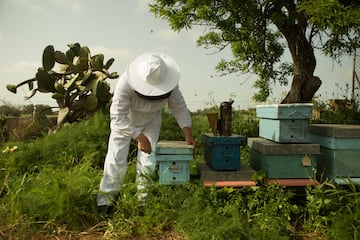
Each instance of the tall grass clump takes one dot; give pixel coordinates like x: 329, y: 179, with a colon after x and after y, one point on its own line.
x: 67, y: 148
x: 54, y: 178
x: 333, y: 211
x: 66, y: 197
x: 248, y: 213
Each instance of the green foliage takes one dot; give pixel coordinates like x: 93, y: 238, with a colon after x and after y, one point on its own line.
x: 78, y: 85
x: 51, y: 183
x: 338, y: 111
x: 245, y: 123
x: 258, y: 32
x: 10, y: 110
x: 170, y: 129
x: 249, y: 213
x: 337, y: 20
x: 333, y: 211
x: 43, y: 183
x: 84, y: 140
x: 56, y: 194
x: 3, y: 129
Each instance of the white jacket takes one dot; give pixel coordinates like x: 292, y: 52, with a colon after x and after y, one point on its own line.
x: 128, y: 111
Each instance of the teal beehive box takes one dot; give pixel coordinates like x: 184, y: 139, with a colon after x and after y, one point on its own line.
x: 283, y: 160
x: 222, y: 152
x: 173, y: 158
x: 284, y: 123
x: 340, y: 147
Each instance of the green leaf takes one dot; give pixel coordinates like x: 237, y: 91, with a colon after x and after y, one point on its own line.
x: 59, y: 88
x: 70, y: 55
x: 113, y: 75
x: 91, y: 102
x: 109, y: 63
x: 75, y: 48
x: 98, y: 62
x: 58, y: 96
x: 48, y: 59
x: 61, y: 58
x: 11, y: 88
x: 84, y: 54
x: 103, y: 92
x: 46, y: 83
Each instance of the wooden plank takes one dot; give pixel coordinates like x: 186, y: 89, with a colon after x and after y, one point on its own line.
x: 207, y: 174
x: 292, y: 182
x: 229, y: 184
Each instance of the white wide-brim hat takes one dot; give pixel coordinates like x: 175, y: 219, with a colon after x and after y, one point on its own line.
x: 153, y: 74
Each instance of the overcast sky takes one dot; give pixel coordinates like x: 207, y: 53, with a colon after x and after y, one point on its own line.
x: 123, y: 29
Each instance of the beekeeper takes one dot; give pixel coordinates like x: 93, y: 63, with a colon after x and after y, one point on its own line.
x: 149, y: 83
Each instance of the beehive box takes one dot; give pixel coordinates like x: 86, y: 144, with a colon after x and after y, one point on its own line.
x: 222, y: 152
x: 284, y: 130
x: 284, y: 123
x: 285, y: 111
x: 340, y: 147
x: 283, y: 160
x: 174, y: 159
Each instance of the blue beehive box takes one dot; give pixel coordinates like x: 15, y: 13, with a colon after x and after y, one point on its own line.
x: 284, y: 123
x: 340, y: 147
x: 222, y: 152
x: 174, y: 159
x: 283, y: 160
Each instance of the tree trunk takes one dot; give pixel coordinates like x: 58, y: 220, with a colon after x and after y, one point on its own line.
x: 304, y: 84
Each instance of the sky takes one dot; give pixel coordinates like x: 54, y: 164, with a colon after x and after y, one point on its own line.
x: 122, y: 30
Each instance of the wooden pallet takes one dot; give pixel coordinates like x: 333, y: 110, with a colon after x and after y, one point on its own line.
x: 235, y: 178
x: 242, y: 178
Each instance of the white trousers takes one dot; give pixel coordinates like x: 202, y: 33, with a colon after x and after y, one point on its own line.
x: 116, y: 161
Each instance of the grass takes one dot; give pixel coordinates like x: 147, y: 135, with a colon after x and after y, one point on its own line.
x: 48, y: 188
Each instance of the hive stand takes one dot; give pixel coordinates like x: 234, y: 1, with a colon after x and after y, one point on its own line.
x: 233, y: 178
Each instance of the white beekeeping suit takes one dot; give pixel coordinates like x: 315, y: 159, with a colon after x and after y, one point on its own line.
x: 150, y: 82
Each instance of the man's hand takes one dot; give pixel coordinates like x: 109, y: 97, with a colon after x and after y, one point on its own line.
x: 143, y: 143
x: 189, y: 137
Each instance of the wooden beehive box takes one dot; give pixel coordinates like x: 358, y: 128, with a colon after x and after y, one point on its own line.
x: 174, y: 159
x: 340, y: 148
x: 284, y: 123
x: 222, y: 152
x: 283, y: 160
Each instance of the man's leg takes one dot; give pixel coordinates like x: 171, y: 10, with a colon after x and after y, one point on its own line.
x: 115, y: 168
x: 146, y: 163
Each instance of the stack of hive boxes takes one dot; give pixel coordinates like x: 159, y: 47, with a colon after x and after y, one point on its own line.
x: 282, y: 149
x: 340, y: 148
x: 174, y: 159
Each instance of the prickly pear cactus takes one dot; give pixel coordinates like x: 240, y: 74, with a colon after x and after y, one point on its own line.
x: 76, y: 80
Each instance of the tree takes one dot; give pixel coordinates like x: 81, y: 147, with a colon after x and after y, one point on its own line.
x: 259, y: 31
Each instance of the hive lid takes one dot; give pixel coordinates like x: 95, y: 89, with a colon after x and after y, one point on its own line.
x: 335, y: 130
x: 273, y: 148
x: 174, y: 147
x: 285, y: 111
